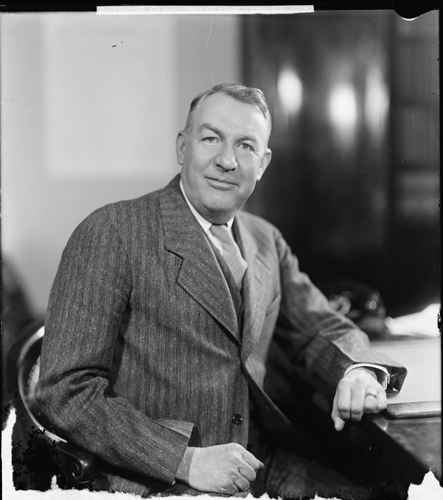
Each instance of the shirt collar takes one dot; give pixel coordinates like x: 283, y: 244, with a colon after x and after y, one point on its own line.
x: 205, y: 224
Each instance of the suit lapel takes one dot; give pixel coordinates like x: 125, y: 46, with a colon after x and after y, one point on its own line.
x: 255, y: 289
x: 200, y: 274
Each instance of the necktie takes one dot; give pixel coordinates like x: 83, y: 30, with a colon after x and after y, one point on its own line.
x: 231, y: 252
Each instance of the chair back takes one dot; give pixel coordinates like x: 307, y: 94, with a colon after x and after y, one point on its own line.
x: 74, y: 466
x: 28, y: 374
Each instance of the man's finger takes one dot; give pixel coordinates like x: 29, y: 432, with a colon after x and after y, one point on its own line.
x: 358, y: 401
x: 343, y: 400
x: 247, y: 471
x: 229, y: 490
x: 371, y: 400
x: 241, y: 482
x: 339, y: 423
x: 382, y: 400
x: 252, y: 461
x: 376, y: 404
x: 375, y: 401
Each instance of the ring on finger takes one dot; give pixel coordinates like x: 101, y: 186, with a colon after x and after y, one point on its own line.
x: 371, y: 395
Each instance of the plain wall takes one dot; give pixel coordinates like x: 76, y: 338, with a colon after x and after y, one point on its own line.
x: 91, y: 106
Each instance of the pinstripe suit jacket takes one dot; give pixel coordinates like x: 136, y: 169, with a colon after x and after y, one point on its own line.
x: 142, y: 353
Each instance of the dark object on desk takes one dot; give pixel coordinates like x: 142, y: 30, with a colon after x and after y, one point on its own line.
x: 360, y: 303
x: 412, y: 410
x: 38, y: 454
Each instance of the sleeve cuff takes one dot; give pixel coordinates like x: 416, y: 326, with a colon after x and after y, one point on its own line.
x: 382, y: 373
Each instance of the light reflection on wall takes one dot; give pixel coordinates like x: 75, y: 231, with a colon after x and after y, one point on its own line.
x: 376, y: 102
x: 290, y: 91
x: 343, y: 112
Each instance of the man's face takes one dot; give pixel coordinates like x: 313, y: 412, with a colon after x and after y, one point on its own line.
x: 223, y: 154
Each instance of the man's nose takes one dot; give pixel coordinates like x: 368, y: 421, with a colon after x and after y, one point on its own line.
x: 226, y: 158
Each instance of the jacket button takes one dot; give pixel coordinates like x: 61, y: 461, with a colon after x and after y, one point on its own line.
x: 237, y: 419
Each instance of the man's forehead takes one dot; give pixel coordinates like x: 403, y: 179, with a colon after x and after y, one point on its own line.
x: 218, y: 108
x: 221, y: 101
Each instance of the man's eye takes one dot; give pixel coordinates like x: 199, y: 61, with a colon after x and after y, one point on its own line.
x: 246, y: 146
x: 210, y: 140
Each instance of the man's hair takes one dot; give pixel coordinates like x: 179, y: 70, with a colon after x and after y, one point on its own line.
x: 238, y: 91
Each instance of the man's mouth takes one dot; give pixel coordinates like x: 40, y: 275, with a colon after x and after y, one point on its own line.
x: 220, y: 183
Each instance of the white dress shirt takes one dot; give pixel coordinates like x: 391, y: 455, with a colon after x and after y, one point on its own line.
x: 206, y: 225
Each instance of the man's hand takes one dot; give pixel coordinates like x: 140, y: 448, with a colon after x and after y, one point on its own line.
x: 358, y: 392
x: 227, y: 468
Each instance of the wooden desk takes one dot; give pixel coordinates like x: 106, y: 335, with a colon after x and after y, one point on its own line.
x: 389, y: 449
x: 409, y: 446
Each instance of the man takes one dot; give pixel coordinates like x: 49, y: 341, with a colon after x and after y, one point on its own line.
x: 158, y: 330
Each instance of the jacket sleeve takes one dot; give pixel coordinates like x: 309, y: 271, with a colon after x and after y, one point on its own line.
x: 85, y: 315
x: 313, y: 334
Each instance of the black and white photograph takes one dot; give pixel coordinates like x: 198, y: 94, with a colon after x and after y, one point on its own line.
x: 220, y: 250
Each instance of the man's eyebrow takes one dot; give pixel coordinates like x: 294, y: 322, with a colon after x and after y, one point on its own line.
x: 210, y: 127
x: 220, y: 133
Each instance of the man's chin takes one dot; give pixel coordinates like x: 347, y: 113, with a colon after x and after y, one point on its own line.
x: 220, y: 213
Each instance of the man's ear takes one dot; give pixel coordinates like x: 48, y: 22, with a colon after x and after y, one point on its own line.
x: 180, y: 146
x: 265, y: 161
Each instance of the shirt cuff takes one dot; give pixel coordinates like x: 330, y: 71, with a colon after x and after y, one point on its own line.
x: 382, y: 373
x: 185, y: 465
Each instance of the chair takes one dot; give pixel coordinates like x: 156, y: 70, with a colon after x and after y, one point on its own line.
x: 38, y: 453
